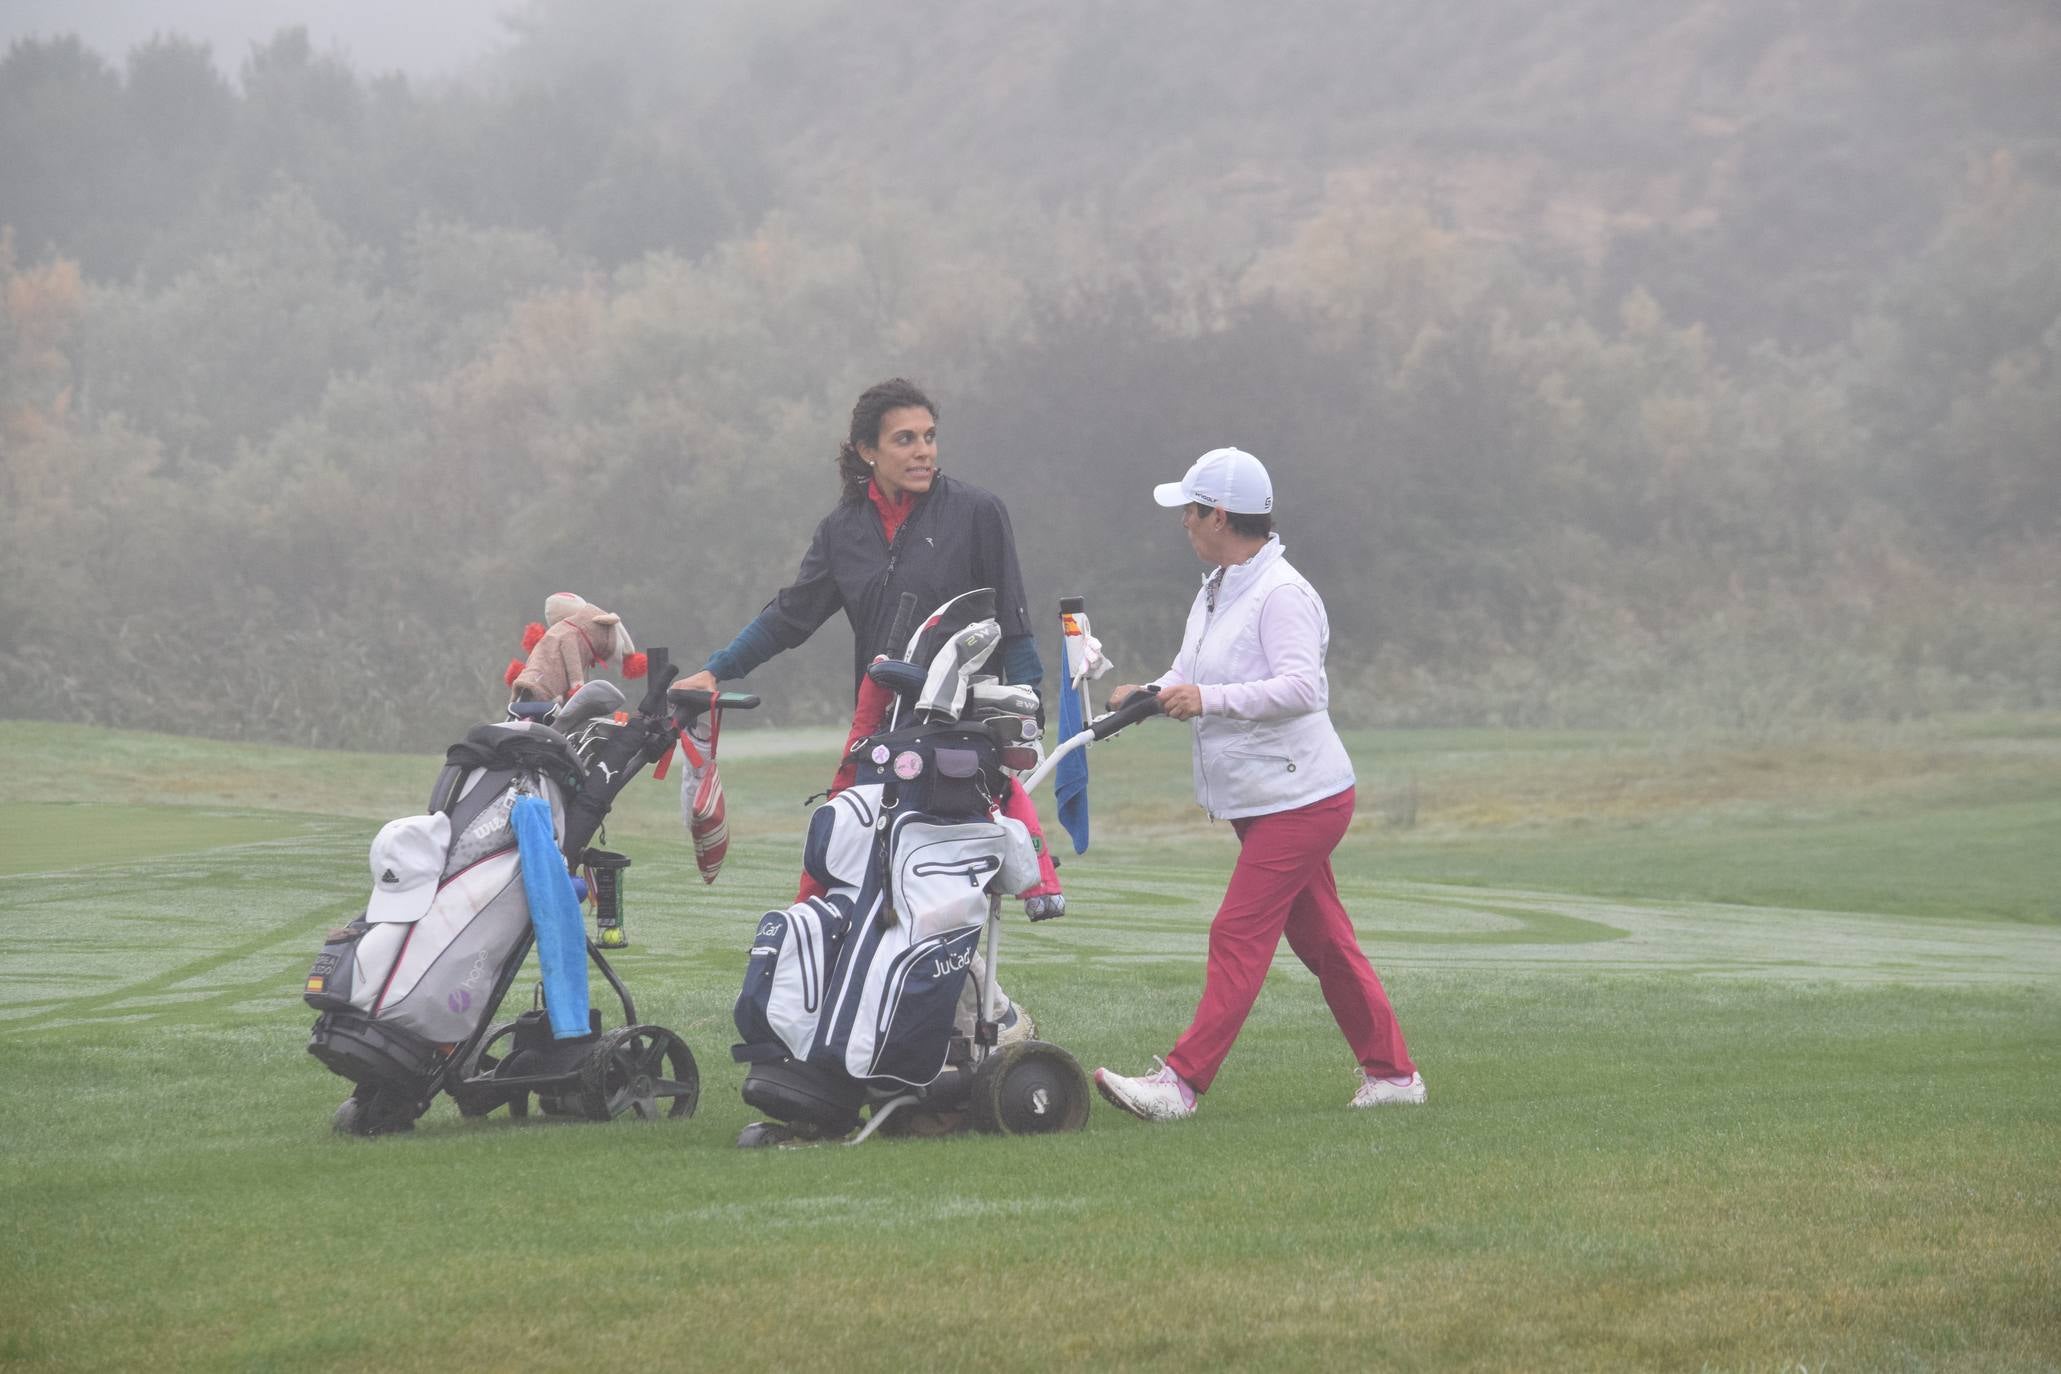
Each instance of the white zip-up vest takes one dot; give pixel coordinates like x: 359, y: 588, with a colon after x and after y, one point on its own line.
x: 1256, y: 767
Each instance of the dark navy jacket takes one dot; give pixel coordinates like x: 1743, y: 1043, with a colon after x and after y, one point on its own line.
x: 956, y: 538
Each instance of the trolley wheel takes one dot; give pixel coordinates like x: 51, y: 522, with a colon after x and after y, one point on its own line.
x: 1029, y: 1088
x: 478, y: 1099
x: 368, y: 1112
x: 763, y: 1134
x: 635, y: 1069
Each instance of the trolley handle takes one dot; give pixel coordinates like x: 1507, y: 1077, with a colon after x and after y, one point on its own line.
x: 660, y: 671
x: 1144, y: 702
x: 692, y: 701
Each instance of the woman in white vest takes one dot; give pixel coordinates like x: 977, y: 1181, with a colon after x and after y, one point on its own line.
x: 1250, y: 676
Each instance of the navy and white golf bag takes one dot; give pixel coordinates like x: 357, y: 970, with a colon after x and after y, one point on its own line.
x: 864, y: 982
x: 402, y: 988
x: 852, y: 999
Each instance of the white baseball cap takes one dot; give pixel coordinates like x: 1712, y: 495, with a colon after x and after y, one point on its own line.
x: 1229, y: 478
x: 407, y: 859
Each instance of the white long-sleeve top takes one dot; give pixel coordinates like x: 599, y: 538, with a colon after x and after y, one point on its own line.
x: 1264, y: 741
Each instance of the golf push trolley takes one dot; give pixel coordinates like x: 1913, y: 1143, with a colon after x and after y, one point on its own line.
x: 408, y: 991
x: 851, y: 1017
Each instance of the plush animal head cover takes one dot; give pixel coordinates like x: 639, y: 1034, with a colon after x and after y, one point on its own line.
x: 575, y: 635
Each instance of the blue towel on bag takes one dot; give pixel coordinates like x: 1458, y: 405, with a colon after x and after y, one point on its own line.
x: 555, y: 916
x: 1070, y: 779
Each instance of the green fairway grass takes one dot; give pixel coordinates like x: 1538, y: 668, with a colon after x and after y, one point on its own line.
x: 1740, y: 1058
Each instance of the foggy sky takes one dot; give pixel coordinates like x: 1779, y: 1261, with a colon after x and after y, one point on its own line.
x: 424, y: 38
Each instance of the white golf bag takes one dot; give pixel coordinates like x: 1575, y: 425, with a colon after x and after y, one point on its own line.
x: 397, y: 996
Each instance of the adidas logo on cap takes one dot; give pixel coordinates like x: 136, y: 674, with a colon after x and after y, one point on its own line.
x: 407, y: 861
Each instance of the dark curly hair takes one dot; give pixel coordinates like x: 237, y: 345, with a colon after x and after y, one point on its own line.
x: 873, y: 405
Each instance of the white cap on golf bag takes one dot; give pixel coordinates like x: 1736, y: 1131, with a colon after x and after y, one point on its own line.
x: 1228, y: 478
x: 407, y: 859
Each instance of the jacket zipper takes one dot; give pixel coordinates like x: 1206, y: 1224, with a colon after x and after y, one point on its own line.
x: 1209, y: 613
x: 894, y: 545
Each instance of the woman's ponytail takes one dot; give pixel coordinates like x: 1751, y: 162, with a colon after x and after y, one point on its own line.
x: 853, y: 471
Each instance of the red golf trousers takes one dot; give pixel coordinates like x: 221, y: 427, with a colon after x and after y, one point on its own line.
x: 1283, y: 886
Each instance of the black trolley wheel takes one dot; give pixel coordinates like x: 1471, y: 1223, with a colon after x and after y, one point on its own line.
x: 1028, y: 1088
x: 636, y: 1069
x: 475, y: 1098
x: 372, y: 1111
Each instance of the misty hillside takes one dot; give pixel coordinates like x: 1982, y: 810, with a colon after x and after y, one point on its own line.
x: 1604, y: 135
x: 1680, y: 363
x: 1623, y: 143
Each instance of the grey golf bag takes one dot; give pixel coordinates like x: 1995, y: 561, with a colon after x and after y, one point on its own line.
x: 407, y: 992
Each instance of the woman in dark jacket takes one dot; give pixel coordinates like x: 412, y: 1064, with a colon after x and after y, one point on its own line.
x: 902, y: 526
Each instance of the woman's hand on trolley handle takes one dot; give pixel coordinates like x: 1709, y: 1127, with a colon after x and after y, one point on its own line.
x: 1182, y: 703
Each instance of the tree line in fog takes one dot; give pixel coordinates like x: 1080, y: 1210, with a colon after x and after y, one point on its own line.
x: 1738, y: 409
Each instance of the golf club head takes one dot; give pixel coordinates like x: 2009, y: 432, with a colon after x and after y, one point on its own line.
x: 989, y: 699
x: 951, y: 671
x: 597, y: 698
x: 902, y: 679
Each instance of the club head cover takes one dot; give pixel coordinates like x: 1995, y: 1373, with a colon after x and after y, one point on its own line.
x: 944, y: 623
x: 899, y: 678
x: 989, y: 699
x: 951, y: 671
x: 598, y: 698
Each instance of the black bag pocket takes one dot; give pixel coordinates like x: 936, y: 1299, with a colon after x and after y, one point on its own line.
x: 956, y: 788
x: 328, y: 986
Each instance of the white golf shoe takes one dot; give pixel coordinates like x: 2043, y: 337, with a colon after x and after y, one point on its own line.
x: 1158, y: 1096
x: 1389, y: 1092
